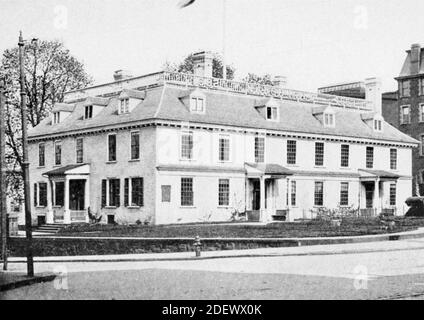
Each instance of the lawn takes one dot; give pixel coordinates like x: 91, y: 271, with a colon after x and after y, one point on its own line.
x: 315, y: 228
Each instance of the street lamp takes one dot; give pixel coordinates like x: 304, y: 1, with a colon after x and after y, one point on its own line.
x: 25, y: 163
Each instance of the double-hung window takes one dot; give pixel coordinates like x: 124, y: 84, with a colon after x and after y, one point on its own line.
x: 79, y: 145
x: 224, y: 192
x: 124, y: 106
x: 41, y: 154
x: 293, y: 193
x: 344, y: 193
x: 224, y: 148
x: 111, y: 141
x: 259, y: 149
x: 197, y: 104
x: 88, y: 114
x: 405, y: 88
x: 187, y: 192
x: 58, y: 153
x: 344, y: 155
x: 187, y: 145
x: 291, y: 151
x: 393, y: 159
x: 369, y: 157
x: 111, y: 193
x: 405, y: 115
x: 319, y: 194
x: 40, y: 194
x: 135, y: 145
x: 393, y: 194
x: 272, y: 113
x: 133, y: 192
x: 319, y: 154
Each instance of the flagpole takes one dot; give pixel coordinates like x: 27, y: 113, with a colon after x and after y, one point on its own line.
x: 224, y: 14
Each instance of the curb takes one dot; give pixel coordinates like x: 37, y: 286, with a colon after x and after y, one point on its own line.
x: 26, y: 282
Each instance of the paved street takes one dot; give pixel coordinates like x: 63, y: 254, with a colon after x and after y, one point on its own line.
x: 397, y: 274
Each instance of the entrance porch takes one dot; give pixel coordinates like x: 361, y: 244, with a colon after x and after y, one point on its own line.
x: 68, y: 194
x: 263, y: 192
x: 375, y: 192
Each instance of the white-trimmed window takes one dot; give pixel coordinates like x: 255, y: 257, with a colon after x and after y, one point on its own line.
x: 329, y: 119
x: 393, y: 159
x: 58, y: 153
x: 111, y: 147
x: 319, y: 154
x: 224, y: 148
x: 135, y: 145
x: 133, y: 192
x: 319, y: 194
x: 42, y: 154
x: 291, y: 151
x: 187, y: 145
x: 369, y: 161
x: 111, y: 194
x: 187, y: 194
x: 56, y: 117
x: 293, y: 193
x: 88, y: 112
x: 421, y: 108
x: 197, y: 104
x: 259, y: 149
x: 124, y: 105
x: 422, y: 145
x: 378, y: 126
x: 79, y: 150
x: 58, y: 193
x: 405, y: 88
x: 344, y: 155
x: 224, y: 192
x: 405, y: 114
x: 393, y: 194
x: 40, y: 194
x: 421, y: 84
x: 272, y: 113
x: 344, y: 193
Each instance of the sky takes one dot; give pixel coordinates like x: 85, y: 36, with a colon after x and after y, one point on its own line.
x: 312, y: 42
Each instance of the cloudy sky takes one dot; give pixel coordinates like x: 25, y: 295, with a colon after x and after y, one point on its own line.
x: 312, y: 42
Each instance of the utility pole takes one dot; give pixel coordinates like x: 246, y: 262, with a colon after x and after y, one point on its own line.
x: 25, y: 163
x: 3, y: 208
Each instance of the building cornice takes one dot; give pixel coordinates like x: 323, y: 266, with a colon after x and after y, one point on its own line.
x: 222, y: 128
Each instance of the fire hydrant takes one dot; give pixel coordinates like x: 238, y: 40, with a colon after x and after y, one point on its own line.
x: 197, y: 245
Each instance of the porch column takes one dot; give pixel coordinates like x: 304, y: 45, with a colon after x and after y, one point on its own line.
x: 87, y: 198
x: 262, y: 202
x: 67, y: 212
x: 377, y: 196
x: 49, y: 215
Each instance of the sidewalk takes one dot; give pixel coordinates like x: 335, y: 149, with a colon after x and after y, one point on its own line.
x: 12, y: 280
x: 413, y: 240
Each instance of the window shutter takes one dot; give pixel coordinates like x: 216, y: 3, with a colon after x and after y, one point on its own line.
x: 35, y: 194
x: 103, y: 193
x: 141, y: 193
x: 126, y: 192
x: 117, y: 193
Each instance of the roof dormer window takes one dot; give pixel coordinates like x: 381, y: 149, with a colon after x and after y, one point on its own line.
x: 378, y: 125
x: 197, y: 104
x: 124, y: 106
x: 272, y: 113
x: 88, y: 112
x: 56, y: 117
x: 329, y: 119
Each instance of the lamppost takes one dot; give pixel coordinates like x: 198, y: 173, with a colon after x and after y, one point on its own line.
x: 25, y: 163
x: 3, y: 208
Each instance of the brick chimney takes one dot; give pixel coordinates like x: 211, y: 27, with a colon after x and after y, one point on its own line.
x: 203, y: 64
x: 121, y: 75
x: 373, y: 93
x: 415, y: 58
x: 279, y: 81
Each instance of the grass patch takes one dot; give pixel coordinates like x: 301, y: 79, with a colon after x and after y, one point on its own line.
x: 314, y: 228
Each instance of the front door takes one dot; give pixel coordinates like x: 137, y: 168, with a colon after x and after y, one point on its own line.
x: 256, y: 195
x: 76, y: 195
x: 369, y: 195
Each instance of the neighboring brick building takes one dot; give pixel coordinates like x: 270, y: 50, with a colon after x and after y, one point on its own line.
x: 173, y: 148
x: 407, y: 114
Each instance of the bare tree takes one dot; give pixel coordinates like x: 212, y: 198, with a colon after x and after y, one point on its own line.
x: 50, y: 71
